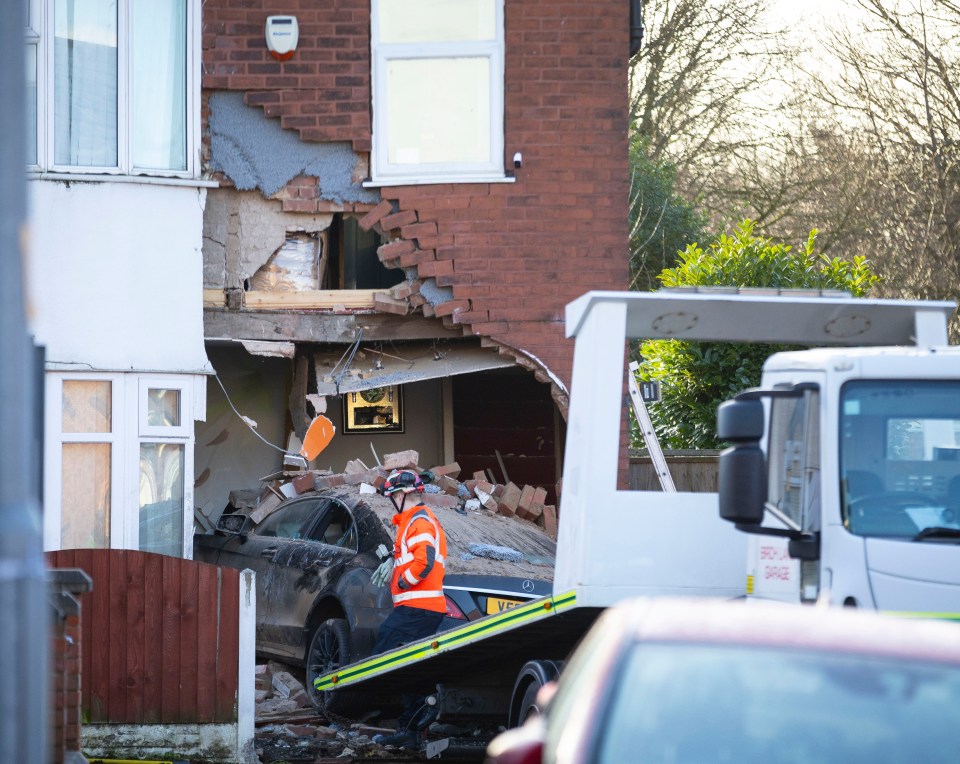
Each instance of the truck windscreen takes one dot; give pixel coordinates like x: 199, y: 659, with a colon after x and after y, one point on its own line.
x: 900, y: 458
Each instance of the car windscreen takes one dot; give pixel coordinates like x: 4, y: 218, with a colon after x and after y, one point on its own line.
x: 289, y: 522
x: 692, y: 703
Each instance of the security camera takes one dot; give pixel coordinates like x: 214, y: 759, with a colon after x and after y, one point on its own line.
x: 518, y: 160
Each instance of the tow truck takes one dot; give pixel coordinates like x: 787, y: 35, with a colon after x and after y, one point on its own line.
x: 614, y: 544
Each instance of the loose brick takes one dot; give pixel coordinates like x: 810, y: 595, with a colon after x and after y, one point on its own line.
x: 508, y: 501
x: 369, y: 220
x: 480, y: 475
x: 483, y: 485
x: 305, y: 482
x: 401, y: 291
x: 487, y: 501
x: 448, y: 485
x: 395, y: 249
x: 550, y: 520
x: 386, y: 304
x: 329, y: 481
x: 450, y: 470
x: 398, y: 220
x: 440, y: 500
x: 526, y: 499
x: 266, y: 506
x: 400, y: 460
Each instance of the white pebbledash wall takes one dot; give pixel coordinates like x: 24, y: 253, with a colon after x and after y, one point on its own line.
x: 115, y: 274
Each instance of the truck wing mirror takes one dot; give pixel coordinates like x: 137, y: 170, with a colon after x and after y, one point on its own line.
x: 740, y: 420
x: 742, y: 484
x: 742, y: 476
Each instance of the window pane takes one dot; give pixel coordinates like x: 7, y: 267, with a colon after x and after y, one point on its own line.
x: 31, y: 104
x: 437, y: 20
x: 85, y: 503
x: 161, y: 498
x: 446, y: 122
x: 86, y: 406
x: 85, y: 83
x: 159, y: 131
x: 163, y: 408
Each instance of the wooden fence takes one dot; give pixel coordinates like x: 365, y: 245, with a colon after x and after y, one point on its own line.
x: 693, y: 471
x: 159, y: 636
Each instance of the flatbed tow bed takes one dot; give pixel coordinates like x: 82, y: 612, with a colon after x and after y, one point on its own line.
x: 484, y: 652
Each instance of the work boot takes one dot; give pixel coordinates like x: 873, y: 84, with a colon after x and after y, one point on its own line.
x: 408, y: 739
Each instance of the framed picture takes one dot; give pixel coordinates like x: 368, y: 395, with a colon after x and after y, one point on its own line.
x: 379, y: 409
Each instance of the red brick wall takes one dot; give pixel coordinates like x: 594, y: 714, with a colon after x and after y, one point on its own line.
x: 514, y: 253
x: 323, y: 91
x: 65, y: 715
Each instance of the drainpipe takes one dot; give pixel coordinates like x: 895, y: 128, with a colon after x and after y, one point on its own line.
x: 24, y: 609
x: 636, y: 26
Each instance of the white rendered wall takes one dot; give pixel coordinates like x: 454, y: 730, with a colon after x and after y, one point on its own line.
x: 115, y: 275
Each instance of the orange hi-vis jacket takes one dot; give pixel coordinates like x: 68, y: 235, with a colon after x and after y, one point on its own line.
x: 419, y: 554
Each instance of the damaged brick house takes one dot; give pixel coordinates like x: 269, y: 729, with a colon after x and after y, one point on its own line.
x: 384, y: 225
x: 467, y: 158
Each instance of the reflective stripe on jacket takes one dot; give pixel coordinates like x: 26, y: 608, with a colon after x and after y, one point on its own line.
x: 419, y: 554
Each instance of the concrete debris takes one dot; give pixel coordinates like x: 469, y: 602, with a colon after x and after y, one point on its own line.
x: 287, y: 733
x: 495, y: 552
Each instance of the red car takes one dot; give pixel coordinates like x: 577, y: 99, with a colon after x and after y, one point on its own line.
x: 692, y: 681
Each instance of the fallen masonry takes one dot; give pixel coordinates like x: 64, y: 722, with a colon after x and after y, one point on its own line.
x: 289, y: 729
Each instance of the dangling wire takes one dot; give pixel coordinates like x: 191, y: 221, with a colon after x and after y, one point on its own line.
x: 246, y: 420
x: 351, y: 352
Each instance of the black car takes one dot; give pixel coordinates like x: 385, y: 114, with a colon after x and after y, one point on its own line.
x: 314, y: 556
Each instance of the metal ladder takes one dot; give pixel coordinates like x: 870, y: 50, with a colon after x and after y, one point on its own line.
x: 646, y: 429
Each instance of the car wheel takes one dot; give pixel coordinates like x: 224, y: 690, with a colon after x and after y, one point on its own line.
x: 529, y: 706
x: 329, y: 650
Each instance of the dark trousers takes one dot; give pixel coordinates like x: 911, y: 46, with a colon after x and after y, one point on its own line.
x: 408, y: 624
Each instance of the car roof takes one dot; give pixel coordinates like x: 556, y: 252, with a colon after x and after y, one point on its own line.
x: 781, y: 625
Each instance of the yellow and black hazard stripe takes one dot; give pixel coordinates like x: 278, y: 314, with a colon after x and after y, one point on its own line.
x: 464, y: 635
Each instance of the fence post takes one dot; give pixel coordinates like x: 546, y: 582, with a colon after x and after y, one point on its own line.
x: 246, y: 667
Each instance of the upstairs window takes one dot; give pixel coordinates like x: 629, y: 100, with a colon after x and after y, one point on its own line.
x: 109, y: 83
x: 437, y: 90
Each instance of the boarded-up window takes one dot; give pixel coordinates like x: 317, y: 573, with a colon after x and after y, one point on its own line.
x: 85, y: 503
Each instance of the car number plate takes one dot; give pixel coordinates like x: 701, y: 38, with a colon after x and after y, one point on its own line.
x: 498, y: 604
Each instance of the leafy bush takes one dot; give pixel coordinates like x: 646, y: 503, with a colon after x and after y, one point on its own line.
x: 695, y: 377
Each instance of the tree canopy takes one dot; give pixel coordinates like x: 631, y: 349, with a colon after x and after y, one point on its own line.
x: 695, y: 377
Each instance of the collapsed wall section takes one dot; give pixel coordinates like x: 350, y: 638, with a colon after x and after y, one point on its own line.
x: 497, y: 260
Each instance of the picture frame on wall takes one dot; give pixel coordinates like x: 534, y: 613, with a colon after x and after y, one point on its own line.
x: 378, y: 409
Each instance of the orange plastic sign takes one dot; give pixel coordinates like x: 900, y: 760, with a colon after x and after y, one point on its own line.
x: 318, y: 437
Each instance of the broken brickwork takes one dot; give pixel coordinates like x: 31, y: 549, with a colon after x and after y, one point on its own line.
x: 499, y: 260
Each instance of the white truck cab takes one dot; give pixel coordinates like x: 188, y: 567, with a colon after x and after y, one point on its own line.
x: 861, y: 505
x: 844, y: 470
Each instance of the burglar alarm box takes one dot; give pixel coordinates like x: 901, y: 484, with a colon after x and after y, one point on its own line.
x: 282, y: 33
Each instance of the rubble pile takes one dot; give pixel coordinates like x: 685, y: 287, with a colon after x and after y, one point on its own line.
x: 444, y: 490
x: 289, y: 728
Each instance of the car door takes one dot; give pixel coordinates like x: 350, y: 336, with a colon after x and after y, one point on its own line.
x: 301, y: 554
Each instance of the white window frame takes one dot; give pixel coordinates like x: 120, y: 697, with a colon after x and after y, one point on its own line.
x: 128, y: 398
x: 160, y: 433
x: 383, y: 173
x: 41, y: 34
x: 34, y: 37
